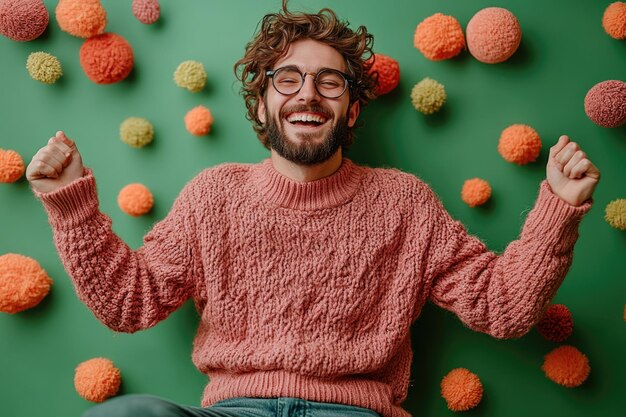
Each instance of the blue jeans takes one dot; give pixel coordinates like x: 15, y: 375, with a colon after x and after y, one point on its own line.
x: 136, y: 405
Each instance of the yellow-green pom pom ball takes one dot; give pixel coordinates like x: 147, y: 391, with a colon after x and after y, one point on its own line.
x: 136, y: 132
x: 190, y: 75
x: 428, y: 96
x: 44, y: 67
x: 615, y: 214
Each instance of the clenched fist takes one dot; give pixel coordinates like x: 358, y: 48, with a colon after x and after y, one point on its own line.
x: 571, y: 175
x: 55, y: 165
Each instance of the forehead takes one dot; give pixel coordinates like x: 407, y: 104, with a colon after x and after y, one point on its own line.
x: 310, y: 55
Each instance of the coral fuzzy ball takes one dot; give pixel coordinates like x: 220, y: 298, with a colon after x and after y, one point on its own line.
x: 439, y: 37
x: 135, y: 199
x: 615, y: 213
x: 614, y: 20
x: 23, y: 283
x: 81, y: 18
x: 475, y: 192
x: 519, y: 144
x: 493, y: 35
x: 136, y: 132
x: 97, y: 379
x: 146, y: 11
x: 106, y: 58
x: 428, y: 96
x: 11, y: 166
x: 23, y: 20
x: 557, y: 323
x: 461, y: 389
x: 566, y: 366
x: 44, y: 67
x: 388, y: 73
x: 198, y: 121
x: 605, y: 103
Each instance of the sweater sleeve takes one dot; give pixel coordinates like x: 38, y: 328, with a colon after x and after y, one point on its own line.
x: 127, y: 290
x: 502, y: 295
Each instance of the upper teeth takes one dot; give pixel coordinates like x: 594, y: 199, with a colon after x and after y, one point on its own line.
x: 299, y: 117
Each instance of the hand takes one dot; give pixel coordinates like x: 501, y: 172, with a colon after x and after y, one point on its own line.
x: 570, y: 174
x: 55, y: 165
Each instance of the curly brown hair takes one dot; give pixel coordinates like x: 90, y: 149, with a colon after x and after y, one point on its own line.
x: 278, y: 31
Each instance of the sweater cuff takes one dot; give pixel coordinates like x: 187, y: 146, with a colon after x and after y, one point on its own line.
x: 554, y: 219
x: 73, y: 203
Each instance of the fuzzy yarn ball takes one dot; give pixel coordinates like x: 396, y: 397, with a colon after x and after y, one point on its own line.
x: 614, y: 20
x: 135, y: 199
x: 615, y: 213
x: 23, y: 283
x: 439, y: 37
x: 136, y: 132
x: 605, y: 103
x: 97, y: 379
x: 190, y: 75
x: 493, y: 35
x: 428, y: 96
x: 556, y: 324
x: 81, y: 18
x: 519, y: 144
x: 146, y: 11
x: 475, y: 192
x: 23, y: 20
x: 566, y: 366
x: 106, y: 58
x: 11, y: 166
x: 461, y: 389
x: 388, y: 73
x: 198, y: 121
x: 44, y: 67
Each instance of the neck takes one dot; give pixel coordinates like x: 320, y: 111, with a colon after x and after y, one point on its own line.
x: 304, y: 173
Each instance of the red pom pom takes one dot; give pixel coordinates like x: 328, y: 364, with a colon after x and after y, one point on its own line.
x: 106, y: 58
x: 556, y: 324
x: 388, y: 73
x: 566, y: 366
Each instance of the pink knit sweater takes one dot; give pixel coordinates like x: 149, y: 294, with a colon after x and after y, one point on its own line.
x: 308, y: 289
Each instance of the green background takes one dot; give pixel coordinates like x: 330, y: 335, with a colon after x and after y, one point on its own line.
x: 564, y: 52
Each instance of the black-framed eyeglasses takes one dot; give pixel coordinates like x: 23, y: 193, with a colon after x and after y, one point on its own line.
x: 329, y: 83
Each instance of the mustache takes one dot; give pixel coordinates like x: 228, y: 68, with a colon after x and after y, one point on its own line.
x: 314, y: 108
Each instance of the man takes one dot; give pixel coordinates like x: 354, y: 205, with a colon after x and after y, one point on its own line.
x: 307, y: 270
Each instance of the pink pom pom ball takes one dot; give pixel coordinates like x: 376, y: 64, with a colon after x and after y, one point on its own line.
x: 605, y: 103
x: 493, y: 35
x: 146, y: 11
x: 23, y: 20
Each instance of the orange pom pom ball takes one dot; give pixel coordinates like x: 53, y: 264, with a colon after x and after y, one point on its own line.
x: 519, y: 144
x: 557, y: 323
x: 11, y: 166
x: 493, y: 35
x: 566, y: 366
x: 81, y: 18
x: 135, y: 199
x: 388, y: 73
x: 439, y: 37
x: 461, y: 389
x: 146, y: 11
x: 614, y: 20
x: 23, y: 20
x: 198, y: 121
x: 475, y: 192
x: 23, y: 283
x: 106, y: 58
x: 97, y: 379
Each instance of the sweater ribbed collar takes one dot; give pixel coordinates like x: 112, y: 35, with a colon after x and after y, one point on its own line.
x: 334, y: 190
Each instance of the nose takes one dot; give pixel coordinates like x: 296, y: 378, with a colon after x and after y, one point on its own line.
x: 308, y: 93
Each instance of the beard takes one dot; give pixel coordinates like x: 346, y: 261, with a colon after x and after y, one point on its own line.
x: 307, y: 152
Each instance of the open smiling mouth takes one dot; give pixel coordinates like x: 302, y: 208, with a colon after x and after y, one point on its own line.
x: 306, y: 119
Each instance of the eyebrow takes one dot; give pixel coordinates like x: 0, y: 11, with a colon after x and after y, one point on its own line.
x: 295, y: 67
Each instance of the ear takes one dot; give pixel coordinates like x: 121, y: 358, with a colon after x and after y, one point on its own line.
x: 353, y: 113
x: 260, y: 113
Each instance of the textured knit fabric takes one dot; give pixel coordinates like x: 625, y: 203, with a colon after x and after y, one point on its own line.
x: 309, y: 289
